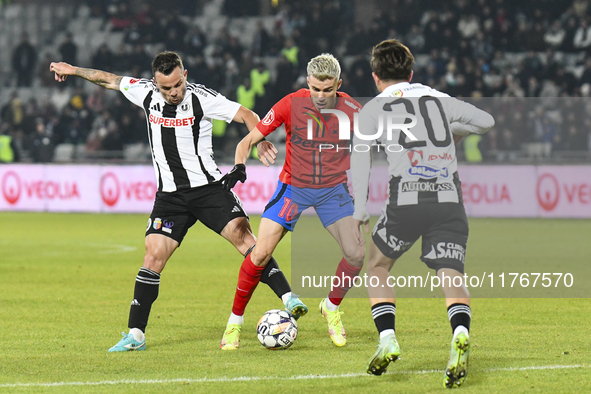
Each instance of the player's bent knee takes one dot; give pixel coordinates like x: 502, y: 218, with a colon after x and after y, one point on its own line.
x: 260, y: 255
x: 354, y: 256
x: 239, y: 232
x: 154, y: 262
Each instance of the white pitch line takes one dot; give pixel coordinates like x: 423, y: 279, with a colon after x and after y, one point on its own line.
x: 262, y: 378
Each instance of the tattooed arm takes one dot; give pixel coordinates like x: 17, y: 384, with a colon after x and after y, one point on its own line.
x: 101, y: 78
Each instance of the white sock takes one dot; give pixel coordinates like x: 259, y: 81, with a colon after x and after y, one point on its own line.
x: 235, y: 319
x: 330, y: 306
x: 459, y: 330
x: 385, y: 333
x: 285, y: 297
x: 138, y: 335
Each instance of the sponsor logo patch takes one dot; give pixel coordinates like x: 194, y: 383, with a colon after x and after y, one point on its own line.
x: 267, y: 120
x: 428, y: 172
x: 171, y: 122
x: 417, y: 186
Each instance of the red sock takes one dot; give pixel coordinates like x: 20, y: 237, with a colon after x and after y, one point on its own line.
x: 346, y: 273
x: 248, y: 279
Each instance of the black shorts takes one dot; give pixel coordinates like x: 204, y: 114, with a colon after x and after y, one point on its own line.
x: 443, y: 226
x: 175, y: 212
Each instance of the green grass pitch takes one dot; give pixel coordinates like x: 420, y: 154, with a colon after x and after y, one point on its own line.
x: 66, y: 281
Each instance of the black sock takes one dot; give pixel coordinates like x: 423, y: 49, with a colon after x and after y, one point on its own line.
x: 384, y: 316
x: 459, y: 315
x: 144, y: 295
x: 273, y: 277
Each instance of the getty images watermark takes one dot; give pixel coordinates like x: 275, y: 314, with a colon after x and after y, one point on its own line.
x: 392, y: 122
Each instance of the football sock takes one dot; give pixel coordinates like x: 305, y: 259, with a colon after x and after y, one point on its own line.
x: 330, y: 306
x: 273, y: 277
x: 147, y: 283
x: 285, y: 297
x: 345, y: 274
x: 248, y: 279
x: 385, y: 333
x: 384, y: 316
x: 138, y: 335
x: 235, y: 319
x: 459, y: 316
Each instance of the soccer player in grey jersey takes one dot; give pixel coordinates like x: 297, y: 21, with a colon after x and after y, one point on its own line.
x: 191, y: 188
x: 425, y: 198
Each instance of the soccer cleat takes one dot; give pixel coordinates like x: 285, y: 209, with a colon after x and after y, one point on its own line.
x: 388, y: 351
x: 336, y: 331
x: 295, y: 306
x: 128, y: 344
x: 457, y: 367
x: 231, y: 338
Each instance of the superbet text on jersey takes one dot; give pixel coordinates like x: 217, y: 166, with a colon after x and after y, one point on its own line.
x: 180, y: 135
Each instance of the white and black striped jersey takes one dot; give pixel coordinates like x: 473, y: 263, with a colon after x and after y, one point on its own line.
x: 180, y: 135
x: 422, y: 165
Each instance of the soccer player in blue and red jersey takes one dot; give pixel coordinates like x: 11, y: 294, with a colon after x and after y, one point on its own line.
x: 318, y: 176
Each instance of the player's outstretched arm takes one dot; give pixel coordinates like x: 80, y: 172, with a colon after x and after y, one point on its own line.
x: 98, y: 77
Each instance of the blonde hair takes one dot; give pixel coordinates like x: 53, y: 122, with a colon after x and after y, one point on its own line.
x: 324, y: 66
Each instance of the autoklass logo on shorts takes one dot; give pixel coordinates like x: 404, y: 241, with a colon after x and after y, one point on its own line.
x: 428, y: 172
x: 548, y: 192
x: 417, y: 186
x: 11, y: 187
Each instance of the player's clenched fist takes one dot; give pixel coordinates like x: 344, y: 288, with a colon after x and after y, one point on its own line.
x: 62, y: 70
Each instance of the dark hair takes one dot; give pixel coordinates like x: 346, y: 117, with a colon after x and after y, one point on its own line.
x: 391, y: 60
x: 166, y: 62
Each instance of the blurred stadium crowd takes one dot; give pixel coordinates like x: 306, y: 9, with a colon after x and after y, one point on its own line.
x: 256, y: 52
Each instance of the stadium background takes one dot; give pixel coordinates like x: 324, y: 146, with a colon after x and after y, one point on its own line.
x: 530, y: 61
x: 256, y: 52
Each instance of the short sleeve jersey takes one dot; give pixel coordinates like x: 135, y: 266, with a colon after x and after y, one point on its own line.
x: 426, y: 171
x: 180, y: 135
x: 318, y: 162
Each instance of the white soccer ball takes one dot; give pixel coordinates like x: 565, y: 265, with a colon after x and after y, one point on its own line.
x: 277, y: 329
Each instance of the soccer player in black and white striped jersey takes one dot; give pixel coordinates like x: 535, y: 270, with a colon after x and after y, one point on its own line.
x: 191, y: 188
x: 425, y: 197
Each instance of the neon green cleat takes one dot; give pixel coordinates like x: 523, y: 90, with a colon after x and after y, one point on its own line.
x: 388, y: 351
x: 231, y: 338
x: 336, y: 331
x: 457, y: 367
x: 295, y: 306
